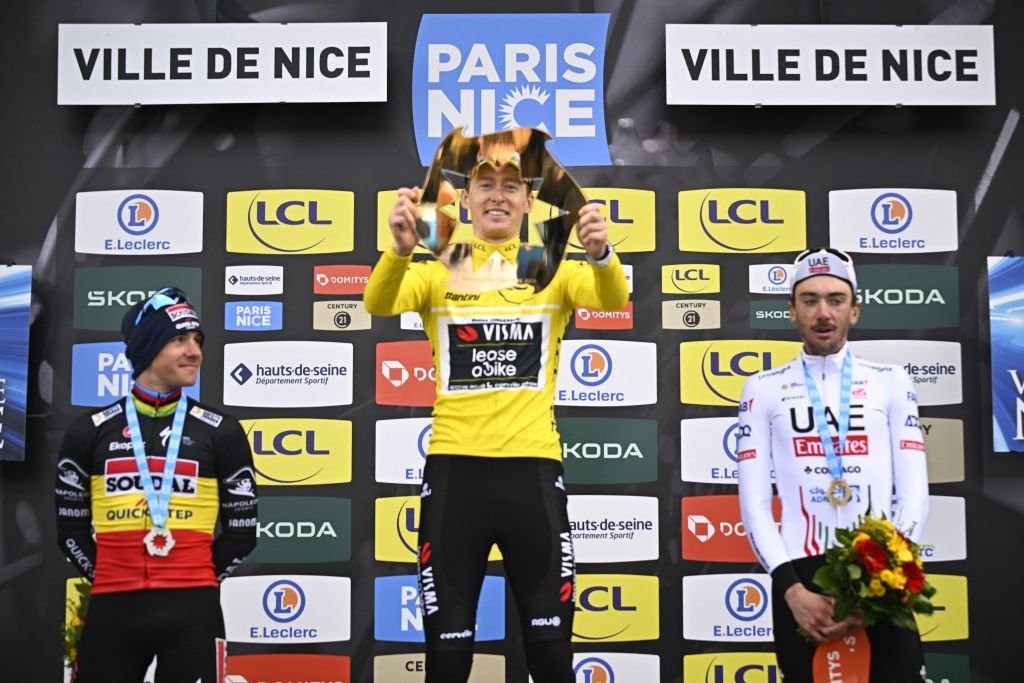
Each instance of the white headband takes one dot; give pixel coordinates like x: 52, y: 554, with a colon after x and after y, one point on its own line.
x: 822, y: 262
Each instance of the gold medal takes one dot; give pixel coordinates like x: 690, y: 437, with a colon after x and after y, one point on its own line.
x: 839, y: 493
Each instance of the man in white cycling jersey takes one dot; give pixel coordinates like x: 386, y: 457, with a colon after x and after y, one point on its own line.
x: 841, y: 436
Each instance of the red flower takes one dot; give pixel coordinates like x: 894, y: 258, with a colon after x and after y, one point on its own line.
x: 915, y: 577
x: 872, y: 556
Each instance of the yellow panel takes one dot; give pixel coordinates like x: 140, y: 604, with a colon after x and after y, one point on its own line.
x: 300, y: 452
x: 615, y: 608
x: 950, y: 621
x: 691, y: 278
x: 712, y: 373
x: 286, y: 222
x: 742, y: 221
x: 749, y: 667
x: 396, y: 530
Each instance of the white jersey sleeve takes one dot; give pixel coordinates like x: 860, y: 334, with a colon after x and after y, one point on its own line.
x: 909, y: 464
x: 754, y: 453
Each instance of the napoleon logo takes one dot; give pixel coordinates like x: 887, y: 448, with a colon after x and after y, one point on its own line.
x: 242, y: 483
x: 71, y: 474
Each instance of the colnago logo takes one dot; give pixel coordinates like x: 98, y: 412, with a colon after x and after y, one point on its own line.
x: 894, y: 221
x: 405, y: 374
x: 398, y: 616
x: 607, y: 373
x: 949, y: 621
x: 771, y: 278
x: 300, y: 452
x: 615, y: 667
x: 288, y: 374
x: 301, y: 668
x: 615, y: 608
x: 732, y: 667
x: 744, y: 221
x: 287, y: 609
x: 138, y: 222
x: 102, y: 295
x: 340, y: 279
x: 300, y: 529
x: 121, y: 476
x: 945, y: 534
x: 614, y: 528
x: 691, y: 278
x: 400, y: 449
x: 727, y: 608
x: 934, y: 367
x: 592, y: 319
x: 286, y: 222
x: 488, y: 72
x: 713, y: 373
x: 254, y: 280
x: 629, y: 215
x: 253, y: 316
x: 713, y: 530
x: 410, y: 668
x: 101, y: 374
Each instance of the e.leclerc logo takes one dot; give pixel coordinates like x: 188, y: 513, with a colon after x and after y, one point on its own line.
x: 284, y: 601
x: 138, y: 214
x: 488, y: 72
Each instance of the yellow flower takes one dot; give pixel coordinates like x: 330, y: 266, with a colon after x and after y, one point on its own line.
x: 904, y: 555
x: 875, y: 588
x: 893, y: 578
x: 860, y: 537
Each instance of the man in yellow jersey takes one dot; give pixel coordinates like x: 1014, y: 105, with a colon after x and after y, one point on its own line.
x: 494, y: 473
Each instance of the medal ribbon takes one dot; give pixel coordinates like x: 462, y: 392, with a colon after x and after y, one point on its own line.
x: 834, y: 460
x: 159, y: 502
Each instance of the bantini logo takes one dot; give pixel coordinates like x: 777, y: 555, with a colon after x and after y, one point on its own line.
x: 137, y: 214
x: 284, y: 601
x: 746, y: 599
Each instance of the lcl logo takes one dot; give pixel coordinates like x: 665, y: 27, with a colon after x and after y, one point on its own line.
x: 294, y: 212
x: 745, y: 363
x: 286, y: 442
x: 596, y: 599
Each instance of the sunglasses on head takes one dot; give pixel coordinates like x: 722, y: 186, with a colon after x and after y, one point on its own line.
x: 838, y: 253
x: 168, y: 296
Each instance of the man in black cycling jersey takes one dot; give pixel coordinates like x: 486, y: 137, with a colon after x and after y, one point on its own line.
x: 150, y: 474
x: 494, y: 472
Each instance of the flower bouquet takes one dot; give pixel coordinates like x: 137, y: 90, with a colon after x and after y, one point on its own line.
x: 77, y: 608
x: 875, y: 571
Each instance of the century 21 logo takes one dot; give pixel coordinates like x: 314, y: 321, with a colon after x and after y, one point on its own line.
x: 713, y: 373
x: 287, y: 222
x: 742, y: 221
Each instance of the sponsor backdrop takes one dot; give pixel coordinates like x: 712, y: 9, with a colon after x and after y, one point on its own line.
x: 257, y: 175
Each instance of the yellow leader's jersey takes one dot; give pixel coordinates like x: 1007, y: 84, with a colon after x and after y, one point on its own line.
x: 495, y: 353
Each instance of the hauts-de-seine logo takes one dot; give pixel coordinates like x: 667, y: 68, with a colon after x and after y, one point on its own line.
x: 284, y: 601
x: 489, y: 72
x: 591, y: 365
x: 891, y: 213
x: 138, y: 214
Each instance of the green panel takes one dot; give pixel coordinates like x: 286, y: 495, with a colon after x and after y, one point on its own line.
x: 102, y: 295
x: 296, y: 529
x: 609, y: 450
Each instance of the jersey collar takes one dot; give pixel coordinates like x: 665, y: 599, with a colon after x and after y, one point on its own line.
x: 482, y: 251
x: 154, y: 404
x: 829, y: 364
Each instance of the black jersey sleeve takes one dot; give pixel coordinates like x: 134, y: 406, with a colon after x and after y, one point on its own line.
x: 236, y: 482
x: 72, y: 495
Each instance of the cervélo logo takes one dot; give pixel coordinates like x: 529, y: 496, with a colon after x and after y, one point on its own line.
x: 288, y: 374
x: 691, y: 314
x: 340, y: 279
x: 410, y: 668
x: 398, y: 615
x: 742, y: 221
x: 101, y: 374
x: 609, y: 450
x: 713, y: 530
x: 614, y: 528
x: 592, y: 319
x: 732, y: 667
x: 287, y: 609
x: 713, y: 372
x: 286, y: 222
x: 253, y: 280
x: 292, y: 668
x: 908, y: 297
x: 934, y: 367
x: 613, y: 667
x: 607, y: 373
x: 405, y: 374
x: 489, y: 72
x: 615, y: 608
x: 400, y: 449
x: 300, y: 452
x: 103, y: 295
x: 138, y: 222
x: 893, y: 221
x: 727, y: 607
x: 253, y: 316
x: 691, y: 278
x: 945, y: 534
x: 294, y: 529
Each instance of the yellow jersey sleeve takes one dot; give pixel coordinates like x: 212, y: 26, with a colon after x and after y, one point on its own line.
x: 397, y: 285
x: 603, y: 288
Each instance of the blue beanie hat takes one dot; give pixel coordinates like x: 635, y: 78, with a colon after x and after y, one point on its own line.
x: 150, y: 324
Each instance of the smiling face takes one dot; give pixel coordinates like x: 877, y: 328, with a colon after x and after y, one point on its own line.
x: 497, y: 200
x: 177, y: 364
x: 823, y: 308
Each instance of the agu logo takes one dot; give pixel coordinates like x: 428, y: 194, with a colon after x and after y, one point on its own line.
x: 284, y: 601
x: 287, y: 222
x: 713, y: 373
x: 746, y: 599
x: 891, y: 213
x: 488, y: 72
x: 591, y: 365
x: 742, y: 220
x: 138, y: 214
x: 594, y: 670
